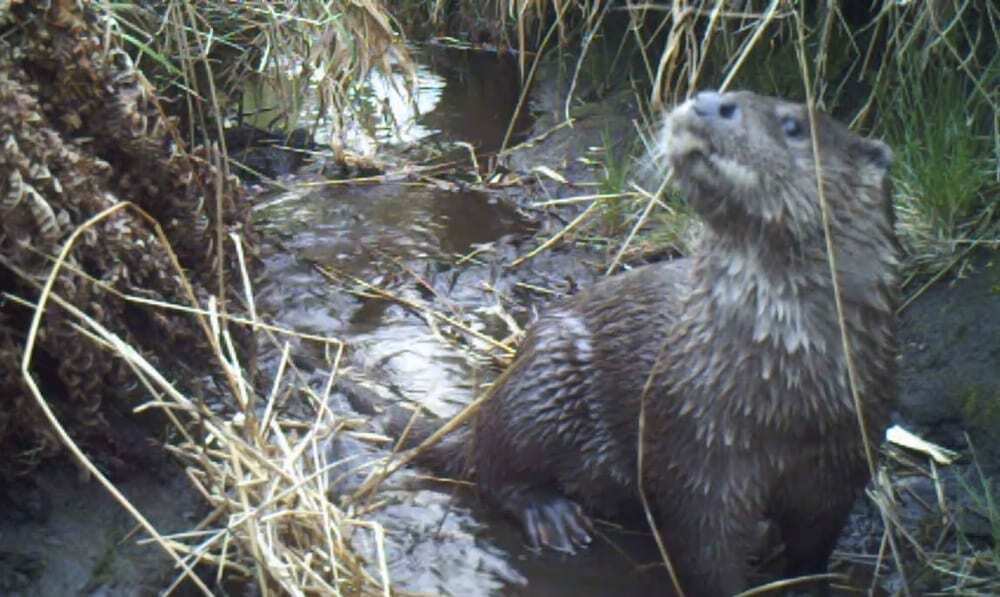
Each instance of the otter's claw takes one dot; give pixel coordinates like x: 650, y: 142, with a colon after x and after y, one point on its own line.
x: 555, y: 522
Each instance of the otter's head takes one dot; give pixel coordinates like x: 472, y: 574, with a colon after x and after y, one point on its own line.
x: 746, y: 163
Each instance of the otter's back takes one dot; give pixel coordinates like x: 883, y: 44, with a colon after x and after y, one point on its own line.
x: 567, y: 407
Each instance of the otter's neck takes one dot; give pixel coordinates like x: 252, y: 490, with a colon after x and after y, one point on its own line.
x: 768, y: 297
x: 759, y: 338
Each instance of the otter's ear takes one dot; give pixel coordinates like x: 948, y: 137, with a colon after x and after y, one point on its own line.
x: 877, y: 153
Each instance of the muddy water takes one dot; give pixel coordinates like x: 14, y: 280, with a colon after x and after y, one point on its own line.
x: 397, y: 237
x: 458, y: 95
x: 409, y: 238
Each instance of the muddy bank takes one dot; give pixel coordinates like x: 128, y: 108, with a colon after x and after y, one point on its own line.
x: 63, y: 534
x: 950, y: 374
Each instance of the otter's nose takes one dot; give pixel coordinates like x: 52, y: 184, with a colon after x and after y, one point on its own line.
x: 712, y: 105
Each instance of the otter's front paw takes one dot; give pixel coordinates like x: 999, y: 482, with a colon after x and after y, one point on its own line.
x: 555, y: 522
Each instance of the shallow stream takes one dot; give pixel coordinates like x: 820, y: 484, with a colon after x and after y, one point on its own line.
x: 410, y: 238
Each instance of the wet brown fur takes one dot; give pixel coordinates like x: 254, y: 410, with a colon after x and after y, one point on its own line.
x: 750, y: 416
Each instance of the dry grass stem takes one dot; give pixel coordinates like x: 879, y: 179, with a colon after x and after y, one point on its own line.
x: 555, y: 238
x: 266, y: 478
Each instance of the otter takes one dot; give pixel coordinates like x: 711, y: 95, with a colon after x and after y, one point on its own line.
x: 748, y: 415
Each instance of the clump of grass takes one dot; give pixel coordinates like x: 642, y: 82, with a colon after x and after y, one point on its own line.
x: 616, y: 164
x: 973, y: 568
x: 215, y: 53
x: 945, y: 172
x: 264, y: 473
x: 943, y: 556
x: 981, y: 407
x: 679, y: 228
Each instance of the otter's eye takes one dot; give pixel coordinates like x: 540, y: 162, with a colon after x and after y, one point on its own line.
x: 793, y: 127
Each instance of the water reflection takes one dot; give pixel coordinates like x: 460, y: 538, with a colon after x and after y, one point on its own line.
x: 360, y: 228
x: 459, y: 95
